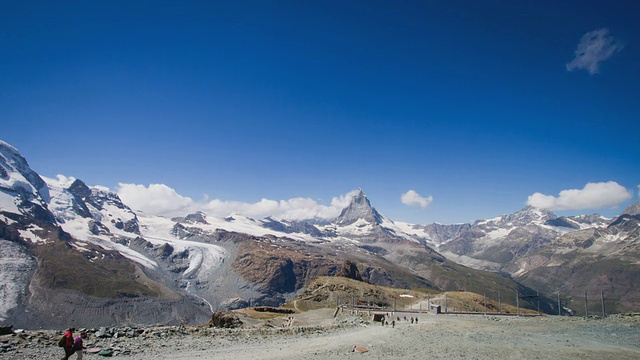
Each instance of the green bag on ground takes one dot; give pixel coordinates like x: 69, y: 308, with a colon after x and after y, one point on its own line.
x: 106, y: 352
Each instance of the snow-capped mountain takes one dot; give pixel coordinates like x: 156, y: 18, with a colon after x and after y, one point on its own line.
x: 359, y: 210
x: 495, y: 243
x: 22, y: 190
x: 434, y: 234
x: 597, y: 259
x: 361, y: 221
x: 633, y: 209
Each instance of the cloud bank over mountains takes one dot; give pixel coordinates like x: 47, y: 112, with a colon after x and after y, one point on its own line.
x: 160, y: 199
x: 592, y: 196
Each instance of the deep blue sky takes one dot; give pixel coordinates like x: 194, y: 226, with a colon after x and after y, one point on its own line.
x: 466, y: 101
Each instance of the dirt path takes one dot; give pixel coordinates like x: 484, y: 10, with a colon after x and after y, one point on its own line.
x: 446, y: 337
x: 435, y: 337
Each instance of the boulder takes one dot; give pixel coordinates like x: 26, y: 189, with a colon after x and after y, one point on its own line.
x: 225, y: 319
x: 6, y: 330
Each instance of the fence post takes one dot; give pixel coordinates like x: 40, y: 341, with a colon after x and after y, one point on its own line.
x: 586, y: 305
x: 446, y: 309
x: 485, y: 303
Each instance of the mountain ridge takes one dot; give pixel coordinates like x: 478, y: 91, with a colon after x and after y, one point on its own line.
x: 196, y: 263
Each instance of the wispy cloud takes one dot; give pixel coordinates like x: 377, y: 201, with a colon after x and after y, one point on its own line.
x: 160, y: 199
x: 594, y: 47
x: 412, y: 198
x: 592, y: 196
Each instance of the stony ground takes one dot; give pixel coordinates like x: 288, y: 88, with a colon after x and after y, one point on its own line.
x: 317, y: 335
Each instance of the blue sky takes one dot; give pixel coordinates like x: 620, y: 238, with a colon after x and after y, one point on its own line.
x: 475, y: 106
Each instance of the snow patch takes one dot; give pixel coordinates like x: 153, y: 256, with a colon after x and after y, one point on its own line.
x: 8, y: 203
x: 29, y: 234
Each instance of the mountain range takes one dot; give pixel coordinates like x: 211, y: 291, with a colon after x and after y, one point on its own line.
x: 76, y: 255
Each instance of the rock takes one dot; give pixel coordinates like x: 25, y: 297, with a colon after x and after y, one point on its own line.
x: 349, y: 270
x: 234, y: 303
x: 6, y: 330
x: 102, y: 335
x: 106, y: 352
x: 225, y: 319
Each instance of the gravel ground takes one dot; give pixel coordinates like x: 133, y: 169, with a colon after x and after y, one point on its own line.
x: 316, y: 335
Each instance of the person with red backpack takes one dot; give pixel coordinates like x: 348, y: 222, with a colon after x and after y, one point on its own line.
x: 66, y: 342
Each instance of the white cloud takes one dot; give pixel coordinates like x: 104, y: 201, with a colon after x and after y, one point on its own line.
x: 157, y: 199
x: 412, y: 198
x: 592, y: 196
x: 160, y: 199
x: 594, y: 47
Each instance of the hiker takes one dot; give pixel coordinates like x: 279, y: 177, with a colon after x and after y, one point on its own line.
x: 393, y: 324
x: 412, y: 319
x: 416, y: 320
x: 78, y: 347
x: 66, y: 342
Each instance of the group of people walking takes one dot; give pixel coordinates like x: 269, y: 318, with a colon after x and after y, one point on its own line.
x: 393, y: 321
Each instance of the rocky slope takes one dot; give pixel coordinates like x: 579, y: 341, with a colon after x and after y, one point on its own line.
x: 554, y: 254
x: 599, y: 261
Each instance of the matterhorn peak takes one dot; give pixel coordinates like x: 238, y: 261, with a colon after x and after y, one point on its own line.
x: 633, y: 209
x: 359, y: 208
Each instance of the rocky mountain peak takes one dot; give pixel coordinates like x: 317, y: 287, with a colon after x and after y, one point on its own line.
x: 16, y: 175
x: 526, y: 216
x: 359, y: 208
x: 196, y: 218
x: 634, y: 209
x: 22, y: 190
x: 80, y: 189
x: 531, y: 214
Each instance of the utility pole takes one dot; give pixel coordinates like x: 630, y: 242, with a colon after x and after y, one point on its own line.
x: 602, y: 299
x: 518, y: 303
x: 499, y: 303
x: 559, y: 308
